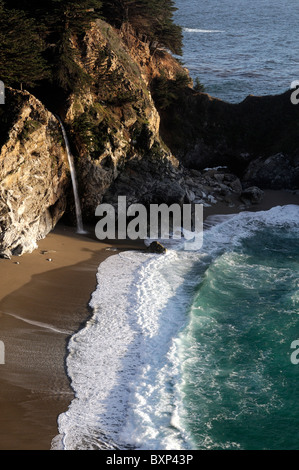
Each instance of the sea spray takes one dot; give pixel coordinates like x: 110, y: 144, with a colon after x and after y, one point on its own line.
x: 124, y: 354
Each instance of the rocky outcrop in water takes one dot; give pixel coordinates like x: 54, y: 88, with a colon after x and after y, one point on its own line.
x: 157, y: 248
x: 258, y: 139
x: 278, y: 171
x: 33, y: 173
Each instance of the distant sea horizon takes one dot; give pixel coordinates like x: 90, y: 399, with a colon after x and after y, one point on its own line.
x: 238, y: 48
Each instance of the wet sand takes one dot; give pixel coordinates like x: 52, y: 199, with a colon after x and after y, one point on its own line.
x: 42, y: 303
x: 271, y: 199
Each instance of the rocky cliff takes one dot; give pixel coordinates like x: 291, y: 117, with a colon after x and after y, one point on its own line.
x: 33, y: 173
x: 115, y: 127
x: 258, y: 139
x: 126, y: 142
x: 111, y: 123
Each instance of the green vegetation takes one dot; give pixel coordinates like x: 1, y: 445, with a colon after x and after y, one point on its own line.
x: 30, y: 126
x: 166, y: 92
x: 198, y: 86
x: 57, y: 23
x: 153, y: 19
x: 38, y: 40
x: 21, y: 49
x: 91, y: 127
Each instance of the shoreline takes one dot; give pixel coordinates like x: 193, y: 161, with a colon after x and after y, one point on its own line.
x: 43, y: 303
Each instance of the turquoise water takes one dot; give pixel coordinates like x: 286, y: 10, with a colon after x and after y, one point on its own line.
x: 239, y: 387
x: 241, y: 47
x: 192, y: 350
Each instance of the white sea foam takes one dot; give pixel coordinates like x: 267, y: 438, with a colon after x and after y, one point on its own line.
x: 197, y: 30
x: 125, y: 364
x: 233, y: 229
x: 96, y: 357
x: 121, y: 362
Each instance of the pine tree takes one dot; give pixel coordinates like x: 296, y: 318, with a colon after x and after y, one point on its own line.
x: 69, y: 18
x: 25, y: 25
x: 54, y: 13
x: 61, y: 21
x: 21, y: 48
x: 151, y: 18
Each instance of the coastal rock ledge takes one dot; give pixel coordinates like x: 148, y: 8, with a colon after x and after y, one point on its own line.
x: 33, y: 173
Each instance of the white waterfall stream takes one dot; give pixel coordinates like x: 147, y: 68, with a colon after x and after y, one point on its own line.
x: 80, y: 228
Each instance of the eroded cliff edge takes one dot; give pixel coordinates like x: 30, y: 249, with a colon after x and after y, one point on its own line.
x: 33, y: 173
x: 111, y: 122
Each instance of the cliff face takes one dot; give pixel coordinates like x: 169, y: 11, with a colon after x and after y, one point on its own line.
x: 114, y: 123
x: 257, y: 139
x: 33, y: 173
x: 124, y: 146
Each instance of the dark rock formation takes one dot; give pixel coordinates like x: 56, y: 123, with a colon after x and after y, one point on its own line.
x: 258, y: 139
x: 157, y: 248
x: 276, y: 172
x: 252, y: 195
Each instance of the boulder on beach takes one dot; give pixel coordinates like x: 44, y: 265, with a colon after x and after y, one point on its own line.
x: 157, y: 247
x: 253, y: 195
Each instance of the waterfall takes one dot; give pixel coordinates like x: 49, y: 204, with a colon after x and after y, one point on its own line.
x: 80, y: 228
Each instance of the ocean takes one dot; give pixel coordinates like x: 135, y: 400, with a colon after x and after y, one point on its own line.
x: 192, y: 350
x: 240, y: 47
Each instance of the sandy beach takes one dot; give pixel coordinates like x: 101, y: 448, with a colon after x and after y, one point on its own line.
x: 44, y: 299
x: 42, y: 303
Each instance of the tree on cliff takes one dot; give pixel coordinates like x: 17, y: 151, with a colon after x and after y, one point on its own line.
x: 60, y: 23
x: 55, y: 13
x: 21, y: 47
x: 68, y: 20
x: 151, y: 18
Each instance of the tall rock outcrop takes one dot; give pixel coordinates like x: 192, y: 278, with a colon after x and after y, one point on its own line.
x: 114, y: 123
x: 33, y: 173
